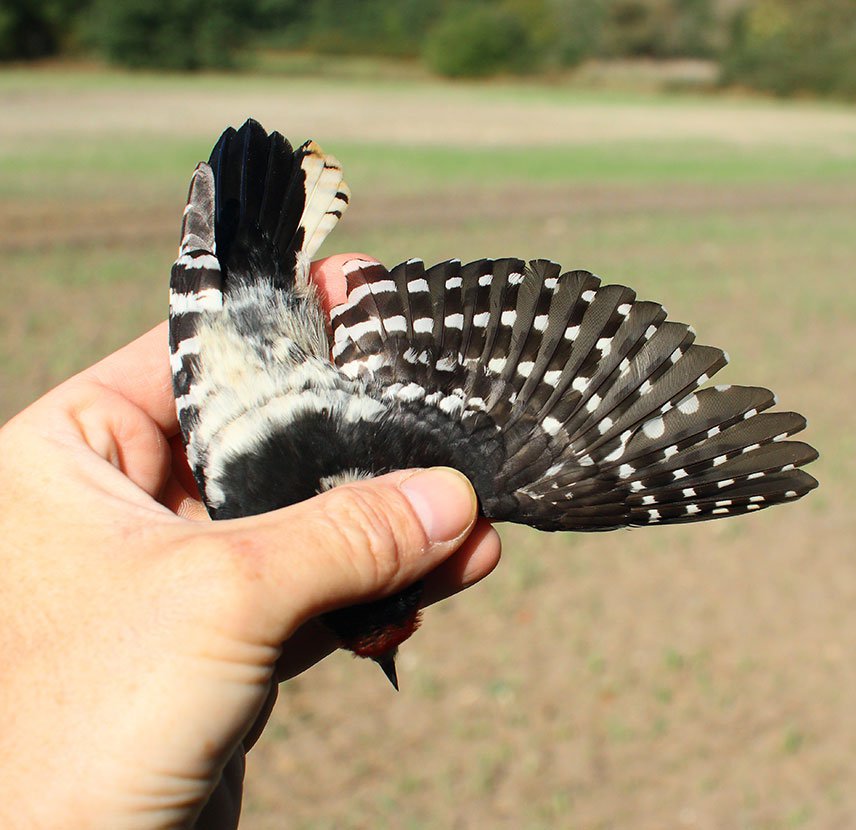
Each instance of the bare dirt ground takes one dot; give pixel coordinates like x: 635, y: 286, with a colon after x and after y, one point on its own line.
x: 693, y: 677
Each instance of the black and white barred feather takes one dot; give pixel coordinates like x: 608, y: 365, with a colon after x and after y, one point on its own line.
x: 569, y: 404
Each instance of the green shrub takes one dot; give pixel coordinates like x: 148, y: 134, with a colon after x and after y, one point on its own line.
x: 369, y: 27
x: 171, y: 34
x: 658, y: 28
x: 478, y: 40
x: 36, y: 28
x: 793, y: 46
x: 578, y: 27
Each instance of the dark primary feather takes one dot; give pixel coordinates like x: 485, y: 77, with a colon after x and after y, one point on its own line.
x: 589, y: 393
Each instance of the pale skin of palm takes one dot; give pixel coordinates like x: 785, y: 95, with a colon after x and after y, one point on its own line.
x: 142, y: 644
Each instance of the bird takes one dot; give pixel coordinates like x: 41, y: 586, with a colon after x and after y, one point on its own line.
x: 569, y: 404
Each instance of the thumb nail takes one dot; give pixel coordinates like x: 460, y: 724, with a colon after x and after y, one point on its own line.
x: 444, y: 501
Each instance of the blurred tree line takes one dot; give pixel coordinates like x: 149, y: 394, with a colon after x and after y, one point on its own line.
x: 784, y: 46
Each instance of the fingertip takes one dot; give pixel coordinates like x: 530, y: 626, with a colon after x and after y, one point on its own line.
x: 484, y: 553
x: 471, y: 563
x: 329, y: 278
x: 444, y: 502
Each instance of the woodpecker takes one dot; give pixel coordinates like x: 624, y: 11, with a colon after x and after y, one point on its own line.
x: 569, y: 404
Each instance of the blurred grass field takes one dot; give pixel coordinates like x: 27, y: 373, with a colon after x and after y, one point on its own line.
x: 697, y: 677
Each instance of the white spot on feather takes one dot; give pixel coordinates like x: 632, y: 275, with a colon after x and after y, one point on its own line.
x: 452, y: 405
x: 424, y: 325
x: 551, y: 426
x: 411, y: 392
x: 654, y: 428
x: 358, y: 330
x: 353, y: 265
x: 689, y: 405
x: 188, y: 346
x: 209, y: 299
x: 395, y: 323
x: 580, y: 384
x: 191, y: 263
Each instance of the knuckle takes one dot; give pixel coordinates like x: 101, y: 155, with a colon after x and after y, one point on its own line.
x: 370, y: 531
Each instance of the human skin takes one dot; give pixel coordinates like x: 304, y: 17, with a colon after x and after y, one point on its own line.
x: 141, y: 644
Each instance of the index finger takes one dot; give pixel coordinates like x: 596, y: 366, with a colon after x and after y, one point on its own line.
x: 140, y: 373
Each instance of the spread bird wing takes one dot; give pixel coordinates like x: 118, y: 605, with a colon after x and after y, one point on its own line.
x: 590, y: 398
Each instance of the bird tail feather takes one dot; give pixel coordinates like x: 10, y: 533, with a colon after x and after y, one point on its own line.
x: 274, y: 204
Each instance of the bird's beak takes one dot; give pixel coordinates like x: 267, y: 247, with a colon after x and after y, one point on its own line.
x: 387, y: 663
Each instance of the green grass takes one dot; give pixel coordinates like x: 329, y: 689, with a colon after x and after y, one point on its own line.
x: 48, y: 166
x: 627, y: 162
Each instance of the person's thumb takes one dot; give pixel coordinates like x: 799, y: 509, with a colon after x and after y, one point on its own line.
x: 352, y: 544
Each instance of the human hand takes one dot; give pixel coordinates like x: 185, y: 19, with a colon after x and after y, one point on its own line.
x: 141, y: 644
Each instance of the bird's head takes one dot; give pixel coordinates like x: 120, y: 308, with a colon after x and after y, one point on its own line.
x: 376, y: 629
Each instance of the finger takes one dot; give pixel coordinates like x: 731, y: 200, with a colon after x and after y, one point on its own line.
x: 475, y: 559
x: 353, y: 544
x: 175, y: 498
x: 105, y: 422
x: 310, y: 644
x: 180, y: 493
x: 329, y: 278
x: 472, y: 562
x: 262, y: 718
x: 140, y: 372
